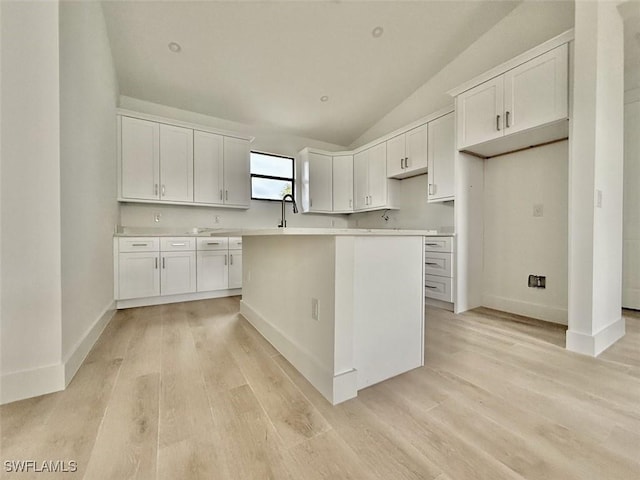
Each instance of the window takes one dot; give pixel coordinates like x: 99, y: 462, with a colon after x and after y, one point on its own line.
x: 271, y: 176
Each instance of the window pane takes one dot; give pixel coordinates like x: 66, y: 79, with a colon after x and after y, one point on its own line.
x: 262, y: 164
x: 269, y: 189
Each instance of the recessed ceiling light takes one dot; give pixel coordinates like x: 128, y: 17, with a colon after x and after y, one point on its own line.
x: 377, y: 32
x: 175, y: 47
x: 324, y: 98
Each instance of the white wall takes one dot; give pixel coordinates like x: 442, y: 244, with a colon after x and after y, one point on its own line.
x: 31, y: 265
x: 516, y: 243
x: 631, y: 221
x: 260, y: 213
x: 89, y: 210
x: 596, y: 165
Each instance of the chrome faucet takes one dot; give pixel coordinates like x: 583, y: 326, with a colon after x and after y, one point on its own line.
x: 283, y: 222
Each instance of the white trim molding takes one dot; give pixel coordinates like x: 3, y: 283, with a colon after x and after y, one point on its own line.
x: 593, y: 345
x: 183, y: 297
x: 81, y: 349
x: 32, y: 383
x: 548, y: 313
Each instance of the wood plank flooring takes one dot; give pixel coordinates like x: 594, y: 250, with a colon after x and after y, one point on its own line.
x: 192, y: 391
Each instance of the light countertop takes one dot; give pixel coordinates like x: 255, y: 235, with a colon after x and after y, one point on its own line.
x: 242, y: 232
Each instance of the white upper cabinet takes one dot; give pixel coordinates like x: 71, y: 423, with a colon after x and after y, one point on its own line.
x: 164, y: 163
x: 377, y: 175
x: 479, y: 113
x: 318, y: 169
x: 536, y: 92
x: 208, y: 186
x: 529, y: 99
x: 361, y: 180
x: 140, y: 159
x: 441, y: 154
x: 407, y: 153
x: 343, y: 183
x: 236, y: 172
x: 176, y: 163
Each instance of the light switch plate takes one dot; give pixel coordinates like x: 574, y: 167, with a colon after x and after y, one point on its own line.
x: 538, y: 210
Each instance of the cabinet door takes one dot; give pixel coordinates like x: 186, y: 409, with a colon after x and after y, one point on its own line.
x: 140, y: 157
x: 178, y: 273
x: 138, y: 275
x: 361, y: 180
x: 536, y: 92
x: 176, y: 164
x: 208, y: 168
x: 377, y: 165
x: 213, y: 270
x: 343, y: 183
x: 480, y: 113
x: 442, y: 151
x: 236, y: 172
x: 396, y: 153
x: 416, y: 154
x: 235, y: 268
x: 320, y: 183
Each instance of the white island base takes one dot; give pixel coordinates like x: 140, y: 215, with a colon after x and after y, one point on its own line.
x: 347, y: 310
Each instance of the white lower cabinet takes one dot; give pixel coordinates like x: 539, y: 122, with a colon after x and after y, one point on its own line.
x: 213, y: 270
x: 439, y: 269
x: 178, y: 273
x: 188, y: 267
x: 235, y: 268
x: 138, y: 275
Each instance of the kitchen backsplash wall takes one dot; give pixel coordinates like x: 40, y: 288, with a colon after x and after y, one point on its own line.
x: 414, y: 212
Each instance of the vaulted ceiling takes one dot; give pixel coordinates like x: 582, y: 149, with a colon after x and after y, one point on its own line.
x: 270, y: 63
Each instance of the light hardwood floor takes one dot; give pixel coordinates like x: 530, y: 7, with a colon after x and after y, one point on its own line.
x: 191, y: 390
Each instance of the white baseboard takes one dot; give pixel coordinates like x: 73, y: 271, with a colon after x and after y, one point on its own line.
x: 32, y: 383
x: 594, y: 345
x: 335, y: 388
x: 185, y: 297
x: 81, y: 349
x: 528, y: 309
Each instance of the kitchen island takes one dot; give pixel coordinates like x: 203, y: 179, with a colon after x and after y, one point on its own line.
x: 344, y: 306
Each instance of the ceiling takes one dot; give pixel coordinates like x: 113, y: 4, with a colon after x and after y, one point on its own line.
x: 269, y: 63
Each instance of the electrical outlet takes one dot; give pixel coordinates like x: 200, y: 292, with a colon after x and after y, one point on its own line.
x: 538, y: 210
x: 217, y: 219
x: 156, y: 217
x: 315, y: 315
x: 537, y: 281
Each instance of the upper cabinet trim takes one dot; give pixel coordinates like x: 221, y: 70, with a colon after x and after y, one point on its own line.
x: 170, y: 121
x: 554, y: 42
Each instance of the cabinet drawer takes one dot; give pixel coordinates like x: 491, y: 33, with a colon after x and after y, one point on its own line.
x: 438, y: 244
x: 439, y: 288
x: 213, y: 243
x: 235, y: 243
x: 138, y: 244
x: 436, y: 263
x: 177, y: 244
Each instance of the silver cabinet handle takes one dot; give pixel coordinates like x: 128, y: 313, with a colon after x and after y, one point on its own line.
x: 350, y: 203
x: 178, y: 244
x: 429, y: 286
x: 432, y: 244
x: 139, y: 244
x: 431, y: 263
x: 498, y: 122
x: 507, y: 119
x: 156, y: 263
x: 431, y: 188
x: 406, y: 162
x: 220, y: 194
x: 155, y: 189
x: 310, y: 202
x: 226, y: 194
x: 163, y: 266
x: 225, y: 259
x: 231, y: 259
x: 213, y: 243
x: 163, y: 190
x: 402, y: 163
